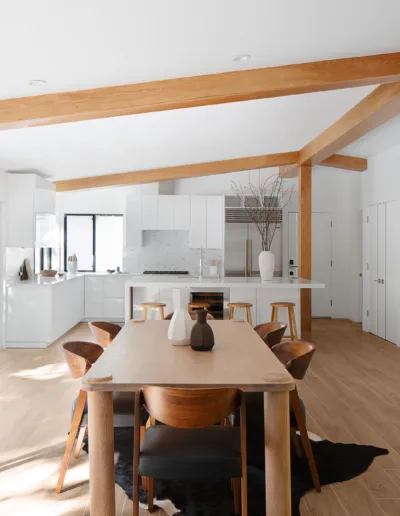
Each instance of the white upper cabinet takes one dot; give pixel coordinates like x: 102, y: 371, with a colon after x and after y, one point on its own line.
x: 27, y: 196
x: 181, y: 212
x: 150, y: 211
x: 133, y: 221
x: 215, y: 221
x: 165, y: 212
x: 198, y: 219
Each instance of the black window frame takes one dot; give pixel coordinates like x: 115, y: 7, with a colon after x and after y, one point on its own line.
x: 93, y: 215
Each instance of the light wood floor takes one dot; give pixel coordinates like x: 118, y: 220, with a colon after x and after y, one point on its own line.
x: 351, y: 394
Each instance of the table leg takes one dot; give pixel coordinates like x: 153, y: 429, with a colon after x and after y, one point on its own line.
x: 101, y: 454
x: 277, y: 453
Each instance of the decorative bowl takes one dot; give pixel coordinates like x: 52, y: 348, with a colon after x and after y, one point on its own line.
x: 49, y: 273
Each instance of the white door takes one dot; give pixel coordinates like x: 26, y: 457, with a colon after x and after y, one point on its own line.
x: 392, y: 278
x: 381, y: 270
x: 165, y: 212
x: 373, y: 267
x: 321, y: 264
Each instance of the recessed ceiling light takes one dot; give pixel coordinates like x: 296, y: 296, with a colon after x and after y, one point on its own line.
x: 37, y: 82
x: 242, y: 58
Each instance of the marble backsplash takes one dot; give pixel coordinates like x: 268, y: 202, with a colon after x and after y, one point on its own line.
x: 169, y: 250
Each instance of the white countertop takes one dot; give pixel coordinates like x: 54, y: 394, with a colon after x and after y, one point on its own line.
x: 43, y: 280
x: 223, y: 282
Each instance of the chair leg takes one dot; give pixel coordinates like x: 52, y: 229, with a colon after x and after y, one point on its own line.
x: 295, y: 401
x: 161, y: 313
x: 136, y: 452
x: 230, y: 313
x: 76, y: 421
x: 293, y: 327
x: 236, y: 495
x: 145, y: 313
x: 79, y: 442
x: 274, y: 314
x: 150, y: 494
x: 144, y: 479
x: 249, y: 320
x: 295, y: 441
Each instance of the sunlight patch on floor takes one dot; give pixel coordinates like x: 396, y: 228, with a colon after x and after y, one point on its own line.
x: 46, y: 372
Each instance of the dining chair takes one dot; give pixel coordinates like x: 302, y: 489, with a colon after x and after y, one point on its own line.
x: 192, y: 316
x: 104, y: 332
x: 80, y: 356
x: 271, y: 332
x: 296, y: 357
x: 189, y: 445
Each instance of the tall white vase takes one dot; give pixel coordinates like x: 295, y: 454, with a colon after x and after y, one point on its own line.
x: 266, y: 262
x: 180, y: 326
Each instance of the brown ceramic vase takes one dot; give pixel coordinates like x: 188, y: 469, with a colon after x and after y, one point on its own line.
x: 202, y: 336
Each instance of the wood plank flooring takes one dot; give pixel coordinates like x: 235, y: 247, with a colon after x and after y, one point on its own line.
x: 351, y: 394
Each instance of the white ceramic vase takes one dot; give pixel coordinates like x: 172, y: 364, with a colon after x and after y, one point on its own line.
x: 181, y: 323
x: 266, y: 262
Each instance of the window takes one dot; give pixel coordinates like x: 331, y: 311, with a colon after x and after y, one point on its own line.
x: 97, y: 241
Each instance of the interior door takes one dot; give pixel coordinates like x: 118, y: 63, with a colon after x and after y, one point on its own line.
x: 382, y: 270
x: 373, y: 267
x: 322, y: 263
x: 392, y: 278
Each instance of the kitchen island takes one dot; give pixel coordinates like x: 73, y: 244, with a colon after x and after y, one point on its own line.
x: 250, y: 290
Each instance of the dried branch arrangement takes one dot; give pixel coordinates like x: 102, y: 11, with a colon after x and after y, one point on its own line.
x: 263, y: 202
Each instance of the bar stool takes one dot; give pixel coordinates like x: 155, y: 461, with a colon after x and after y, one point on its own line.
x: 197, y: 305
x: 247, y: 306
x: 158, y: 306
x: 291, y: 317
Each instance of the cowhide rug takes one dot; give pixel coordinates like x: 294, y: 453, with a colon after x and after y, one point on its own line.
x: 336, y: 462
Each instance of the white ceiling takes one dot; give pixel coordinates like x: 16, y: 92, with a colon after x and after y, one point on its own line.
x: 83, y: 44
x: 179, y: 137
x: 77, y: 45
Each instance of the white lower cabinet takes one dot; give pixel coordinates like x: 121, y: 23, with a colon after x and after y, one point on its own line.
x: 104, y: 297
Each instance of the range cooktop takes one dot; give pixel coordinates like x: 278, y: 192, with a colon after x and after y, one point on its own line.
x: 180, y: 273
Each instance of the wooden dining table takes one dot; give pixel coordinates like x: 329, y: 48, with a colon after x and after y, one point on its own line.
x: 142, y: 355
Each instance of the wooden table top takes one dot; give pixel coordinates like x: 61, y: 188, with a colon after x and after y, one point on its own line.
x: 141, y: 354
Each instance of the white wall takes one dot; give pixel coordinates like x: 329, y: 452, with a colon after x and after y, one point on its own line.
x: 339, y: 193
x: 2, y: 258
x: 381, y: 182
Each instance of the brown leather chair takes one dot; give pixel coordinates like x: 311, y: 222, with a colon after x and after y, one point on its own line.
x: 296, y: 357
x: 80, y: 356
x: 104, y: 332
x: 271, y: 333
x: 189, y: 445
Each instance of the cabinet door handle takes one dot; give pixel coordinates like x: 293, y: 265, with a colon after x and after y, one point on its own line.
x: 382, y: 281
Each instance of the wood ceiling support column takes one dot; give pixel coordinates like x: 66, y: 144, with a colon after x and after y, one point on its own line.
x: 304, y: 243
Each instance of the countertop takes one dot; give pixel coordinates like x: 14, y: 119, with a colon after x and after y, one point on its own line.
x: 140, y: 280
x: 223, y: 282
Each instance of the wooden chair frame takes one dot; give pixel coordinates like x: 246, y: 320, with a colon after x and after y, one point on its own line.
x: 159, y: 402
x: 296, y: 357
x: 271, y: 333
x: 104, y: 332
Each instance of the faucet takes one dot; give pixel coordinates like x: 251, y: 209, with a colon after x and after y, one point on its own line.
x: 201, y: 263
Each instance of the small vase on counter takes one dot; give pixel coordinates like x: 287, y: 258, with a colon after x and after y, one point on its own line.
x: 266, y: 262
x: 201, y: 336
x: 180, y: 325
x: 73, y: 264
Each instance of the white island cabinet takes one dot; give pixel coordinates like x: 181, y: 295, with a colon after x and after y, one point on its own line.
x: 104, y: 297
x: 252, y: 290
x: 41, y: 310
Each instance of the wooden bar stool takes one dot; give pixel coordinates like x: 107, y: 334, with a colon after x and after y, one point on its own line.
x: 292, y: 319
x: 198, y: 305
x: 247, y: 306
x: 158, y: 306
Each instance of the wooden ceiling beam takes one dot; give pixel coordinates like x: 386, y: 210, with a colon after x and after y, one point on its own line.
x: 375, y: 109
x: 202, y: 90
x: 335, y: 161
x: 180, y: 172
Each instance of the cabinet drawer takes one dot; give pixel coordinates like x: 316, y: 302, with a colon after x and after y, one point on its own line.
x: 93, y: 284
x: 114, y: 286
x: 113, y: 308
x: 93, y: 306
